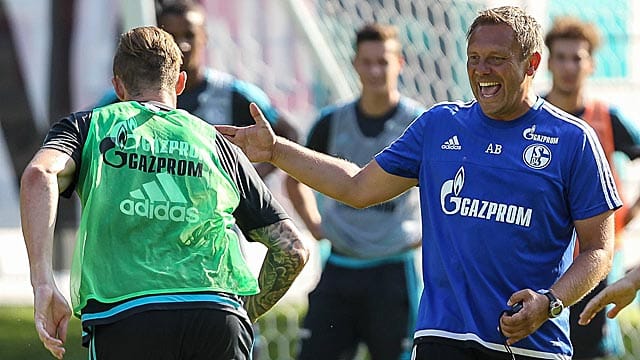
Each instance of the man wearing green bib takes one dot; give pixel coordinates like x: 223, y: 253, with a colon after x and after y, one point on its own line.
x: 157, y: 271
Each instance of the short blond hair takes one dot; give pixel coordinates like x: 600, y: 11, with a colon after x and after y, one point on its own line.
x: 147, y: 58
x: 528, y: 32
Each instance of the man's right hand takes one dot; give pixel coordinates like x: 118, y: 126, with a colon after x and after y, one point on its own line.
x: 256, y: 141
x: 51, y: 316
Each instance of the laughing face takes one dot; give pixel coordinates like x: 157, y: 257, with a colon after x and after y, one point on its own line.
x: 500, y: 77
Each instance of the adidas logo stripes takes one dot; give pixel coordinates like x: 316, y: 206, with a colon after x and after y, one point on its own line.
x: 451, y: 144
x: 154, y: 192
x: 161, y: 199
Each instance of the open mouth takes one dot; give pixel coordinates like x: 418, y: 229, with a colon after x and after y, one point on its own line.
x: 489, y: 89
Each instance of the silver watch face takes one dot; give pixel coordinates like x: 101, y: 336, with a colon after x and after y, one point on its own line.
x: 555, y: 308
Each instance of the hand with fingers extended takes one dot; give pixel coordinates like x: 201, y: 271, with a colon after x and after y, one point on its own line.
x: 529, y: 318
x: 256, y: 141
x: 621, y: 293
x: 52, y: 313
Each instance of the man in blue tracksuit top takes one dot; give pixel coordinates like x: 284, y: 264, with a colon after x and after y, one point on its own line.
x: 506, y: 183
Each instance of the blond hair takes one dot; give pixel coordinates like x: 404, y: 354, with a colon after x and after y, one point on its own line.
x: 528, y: 33
x: 147, y: 58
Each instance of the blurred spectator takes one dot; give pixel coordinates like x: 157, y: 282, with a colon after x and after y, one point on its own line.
x: 572, y: 43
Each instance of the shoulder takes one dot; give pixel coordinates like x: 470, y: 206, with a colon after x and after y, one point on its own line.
x: 621, y: 122
x: 328, y: 111
x: 617, y: 117
x: 320, y: 128
x: 218, y: 78
x: 412, y: 106
x: 597, y: 103
x: 69, y: 134
x: 118, y: 107
x: 109, y: 97
x: 454, y: 106
x: 225, y: 148
x: 243, y: 93
x: 565, y: 127
x: 193, y: 120
x: 250, y: 91
x: 79, y: 117
x: 448, y: 109
x: 558, y: 117
x: 77, y: 123
x: 617, y: 114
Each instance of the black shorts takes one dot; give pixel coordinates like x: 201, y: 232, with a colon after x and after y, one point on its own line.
x: 432, y: 348
x: 375, y: 305
x: 174, y: 334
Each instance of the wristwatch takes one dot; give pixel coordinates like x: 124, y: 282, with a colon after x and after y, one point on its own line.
x: 555, y: 305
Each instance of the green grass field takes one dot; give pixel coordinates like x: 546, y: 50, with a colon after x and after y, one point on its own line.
x: 19, y: 341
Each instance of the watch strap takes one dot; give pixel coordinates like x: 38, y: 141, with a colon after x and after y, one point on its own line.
x: 554, y: 303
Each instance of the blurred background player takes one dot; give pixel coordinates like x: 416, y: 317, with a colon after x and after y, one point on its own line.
x: 369, y: 281
x: 572, y: 44
x: 212, y: 95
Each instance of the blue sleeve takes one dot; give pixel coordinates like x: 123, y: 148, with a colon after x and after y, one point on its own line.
x: 591, y: 185
x: 404, y: 156
x: 254, y: 94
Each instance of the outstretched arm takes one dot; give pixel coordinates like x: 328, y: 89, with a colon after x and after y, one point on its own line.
x: 621, y: 293
x: 337, y: 178
x: 282, y: 128
x: 286, y: 256
x: 49, y: 173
